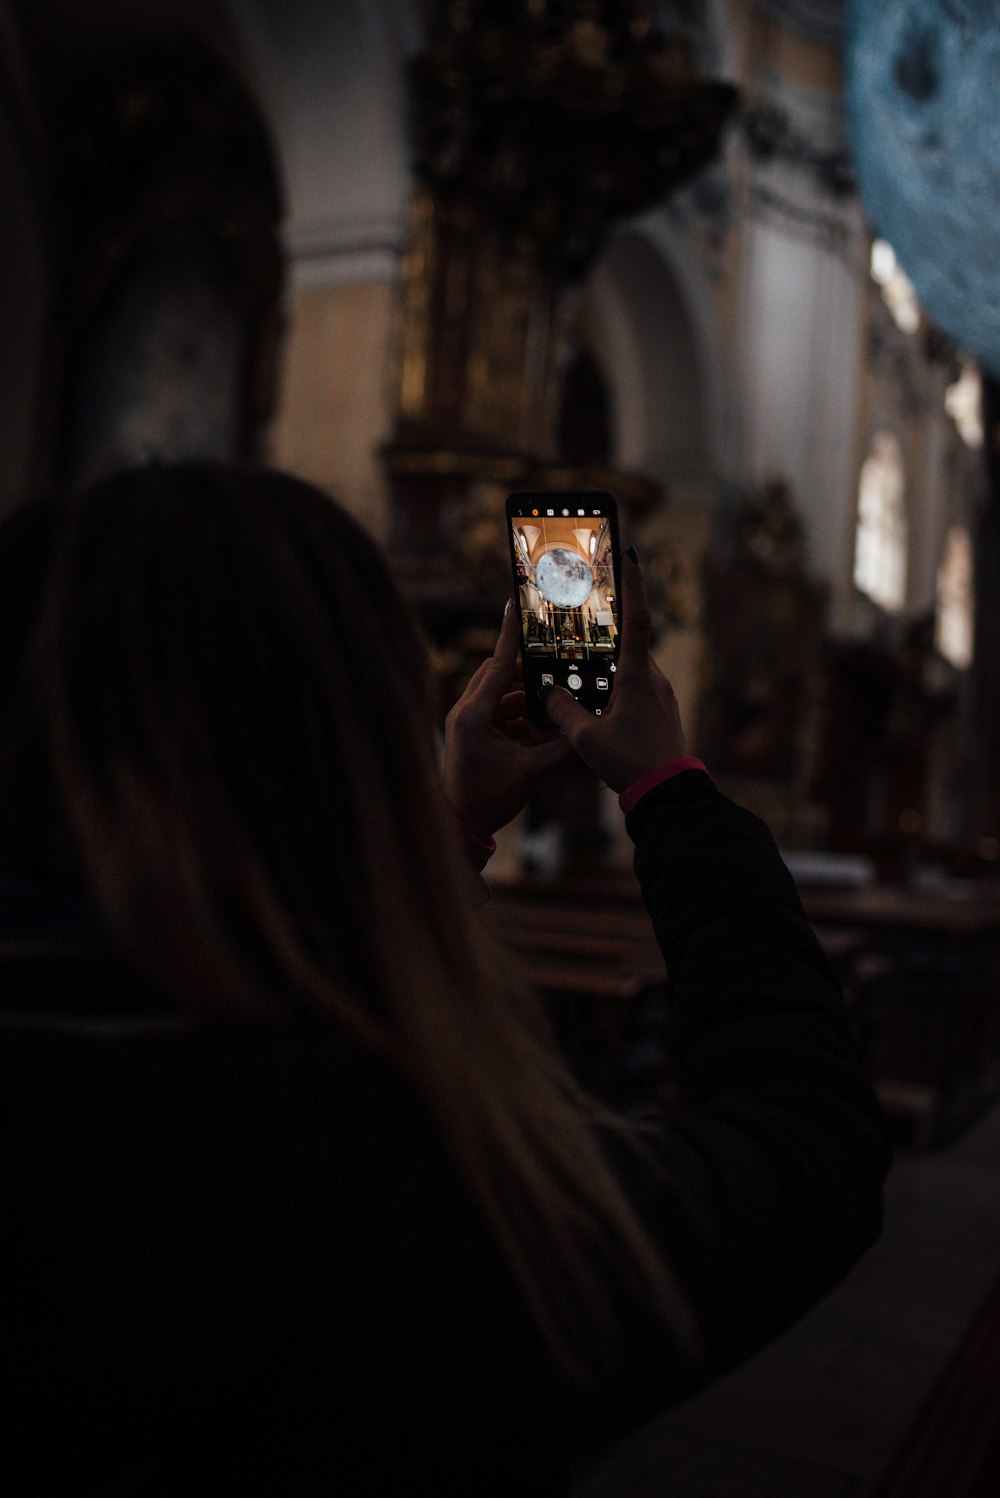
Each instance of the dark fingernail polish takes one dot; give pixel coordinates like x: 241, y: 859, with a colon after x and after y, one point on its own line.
x: 544, y: 693
x: 632, y: 555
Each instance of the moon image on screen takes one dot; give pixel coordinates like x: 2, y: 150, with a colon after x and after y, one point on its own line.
x: 564, y: 579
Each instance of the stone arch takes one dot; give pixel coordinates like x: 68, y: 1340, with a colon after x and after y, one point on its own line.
x: 652, y: 328
x: 650, y: 317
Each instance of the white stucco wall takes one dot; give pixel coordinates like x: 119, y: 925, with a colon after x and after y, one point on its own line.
x: 800, y: 336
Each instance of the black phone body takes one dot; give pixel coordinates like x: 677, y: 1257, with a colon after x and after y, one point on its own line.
x: 565, y: 553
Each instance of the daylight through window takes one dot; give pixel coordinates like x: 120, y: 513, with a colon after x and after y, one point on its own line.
x: 955, y: 599
x: 881, y: 540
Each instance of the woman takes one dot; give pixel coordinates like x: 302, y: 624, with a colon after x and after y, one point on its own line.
x: 300, y: 1196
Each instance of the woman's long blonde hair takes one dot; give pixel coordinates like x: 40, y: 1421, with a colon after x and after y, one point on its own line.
x: 218, y: 723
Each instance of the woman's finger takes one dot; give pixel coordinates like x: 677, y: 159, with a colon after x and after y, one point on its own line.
x: 512, y: 705
x: 496, y: 674
x: 636, y: 620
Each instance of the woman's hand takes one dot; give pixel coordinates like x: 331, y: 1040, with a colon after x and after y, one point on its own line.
x: 641, y: 730
x: 493, y: 757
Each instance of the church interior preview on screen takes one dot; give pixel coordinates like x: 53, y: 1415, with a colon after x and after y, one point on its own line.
x: 566, y: 584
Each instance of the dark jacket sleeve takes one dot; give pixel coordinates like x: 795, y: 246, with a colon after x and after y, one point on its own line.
x: 765, y: 1187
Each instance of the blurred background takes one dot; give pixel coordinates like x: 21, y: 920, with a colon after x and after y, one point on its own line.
x: 734, y: 260
x: 424, y: 251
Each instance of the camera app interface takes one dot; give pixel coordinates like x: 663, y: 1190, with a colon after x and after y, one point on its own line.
x: 567, y: 597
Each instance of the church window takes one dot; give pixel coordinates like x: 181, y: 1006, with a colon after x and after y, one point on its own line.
x: 881, y: 537
x: 954, y: 625
x: 897, y: 289
x: 963, y: 402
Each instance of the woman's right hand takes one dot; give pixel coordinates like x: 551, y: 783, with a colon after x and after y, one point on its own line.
x: 641, y: 729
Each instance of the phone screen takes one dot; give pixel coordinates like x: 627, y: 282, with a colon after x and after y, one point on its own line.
x: 565, y: 553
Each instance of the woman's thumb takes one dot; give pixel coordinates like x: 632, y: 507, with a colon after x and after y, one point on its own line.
x: 563, y: 709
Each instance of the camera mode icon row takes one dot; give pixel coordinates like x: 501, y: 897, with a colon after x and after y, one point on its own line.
x: 574, y: 681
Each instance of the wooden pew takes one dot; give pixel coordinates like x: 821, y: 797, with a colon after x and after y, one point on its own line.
x: 603, y: 978
x: 920, y: 976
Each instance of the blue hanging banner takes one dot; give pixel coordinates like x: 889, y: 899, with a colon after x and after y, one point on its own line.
x: 923, y: 102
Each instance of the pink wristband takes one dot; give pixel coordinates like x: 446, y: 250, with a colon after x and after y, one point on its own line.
x: 633, y: 794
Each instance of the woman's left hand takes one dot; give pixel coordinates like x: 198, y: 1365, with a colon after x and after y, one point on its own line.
x: 493, y: 756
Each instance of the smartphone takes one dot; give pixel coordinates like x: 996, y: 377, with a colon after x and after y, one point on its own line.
x: 565, y: 554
